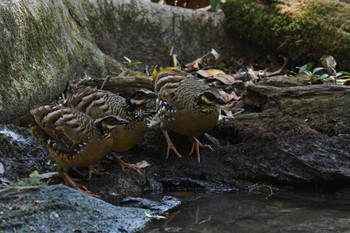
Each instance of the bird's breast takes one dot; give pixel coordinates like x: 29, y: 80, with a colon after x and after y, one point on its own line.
x: 190, y: 123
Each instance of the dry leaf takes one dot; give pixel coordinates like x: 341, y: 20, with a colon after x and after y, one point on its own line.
x: 204, y: 73
x: 142, y: 164
x: 34, y: 173
x: 228, y: 97
x: 2, y: 169
x: 278, y: 71
x: 195, y: 64
x: 224, y: 78
x: 154, y: 216
x: 231, y: 100
x: 208, y: 60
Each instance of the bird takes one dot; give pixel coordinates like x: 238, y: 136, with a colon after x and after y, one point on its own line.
x: 73, y: 139
x: 187, y: 106
x: 96, y: 103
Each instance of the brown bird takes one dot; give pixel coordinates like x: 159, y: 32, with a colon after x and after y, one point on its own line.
x: 97, y: 103
x: 74, y: 139
x: 187, y: 106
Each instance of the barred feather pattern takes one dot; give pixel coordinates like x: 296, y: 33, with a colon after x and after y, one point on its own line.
x: 97, y: 103
x: 69, y: 135
x: 179, y: 89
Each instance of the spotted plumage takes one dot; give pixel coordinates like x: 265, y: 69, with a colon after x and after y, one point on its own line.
x: 72, y: 138
x: 97, y: 103
x: 186, y: 106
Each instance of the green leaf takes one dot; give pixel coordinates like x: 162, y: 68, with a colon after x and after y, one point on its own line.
x: 307, y: 72
x: 323, y: 76
x: 310, y: 65
x: 135, y: 63
x: 317, y: 69
x: 127, y: 59
x: 214, y: 4
x: 303, y: 69
x: 343, y: 72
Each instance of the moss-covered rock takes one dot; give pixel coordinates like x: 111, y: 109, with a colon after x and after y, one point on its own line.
x: 304, y: 30
x: 43, y: 44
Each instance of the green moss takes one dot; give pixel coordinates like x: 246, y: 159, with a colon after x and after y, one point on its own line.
x: 303, y: 30
x: 30, y: 181
x: 51, y: 43
x: 262, y: 25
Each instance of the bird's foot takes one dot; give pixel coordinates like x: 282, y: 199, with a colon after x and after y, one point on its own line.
x: 71, y: 183
x: 196, y: 145
x: 125, y: 165
x: 171, y: 146
x: 93, y: 170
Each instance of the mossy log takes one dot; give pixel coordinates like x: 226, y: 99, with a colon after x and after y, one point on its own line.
x: 298, y: 135
x: 302, y: 30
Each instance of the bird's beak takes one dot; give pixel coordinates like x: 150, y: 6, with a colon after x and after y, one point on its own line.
x: 122, y: 121
x: 152, y: 95
x: 221, y: 101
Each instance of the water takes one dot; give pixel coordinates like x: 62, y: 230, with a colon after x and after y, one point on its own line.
x: 14, y: 137
x: 250, y: 213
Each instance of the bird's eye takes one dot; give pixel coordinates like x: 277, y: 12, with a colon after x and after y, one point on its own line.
x: 209, y: 97
x: 111, y: 121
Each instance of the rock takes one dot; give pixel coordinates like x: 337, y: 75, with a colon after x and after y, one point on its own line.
x: 57, y: 208
x: 156, y: 207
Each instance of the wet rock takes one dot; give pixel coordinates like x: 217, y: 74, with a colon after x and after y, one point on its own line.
x: 157, y: 207
x: 58, y: 208
x: 20, y: 154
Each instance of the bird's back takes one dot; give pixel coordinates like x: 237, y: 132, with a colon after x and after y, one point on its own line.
x: 70, y: 136
x: 97, y: 103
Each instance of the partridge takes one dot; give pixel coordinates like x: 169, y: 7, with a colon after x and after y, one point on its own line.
x: 97, y: 103
x: 187, y: 106
x: 74, y: 139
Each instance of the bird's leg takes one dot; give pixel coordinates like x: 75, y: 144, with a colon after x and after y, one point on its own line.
x: 93, y: 170
x: 70, y: 182
x: 196, y: 145
x: 124, y: 165
x: 171, y: 145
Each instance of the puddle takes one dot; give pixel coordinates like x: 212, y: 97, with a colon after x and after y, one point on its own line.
x: 231, y: 212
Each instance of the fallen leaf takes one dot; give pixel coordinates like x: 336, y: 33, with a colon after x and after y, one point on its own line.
x: 34, y: 173
x: 204, y: 73
x: 2, y: 169
x: 278, y: 71
x: 154, y: 216
x: 228, y: 97
x: 142, y: 164
x: 214, y: 71
x: 195, y: 64
x: 224, y: 78
x: 48, y: 175
x: 231, y: 99
x: 208, y: 60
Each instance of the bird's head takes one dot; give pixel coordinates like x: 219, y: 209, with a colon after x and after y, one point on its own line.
x: 107, y: 124
x: 140, y: 97
x: 209, y: 99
